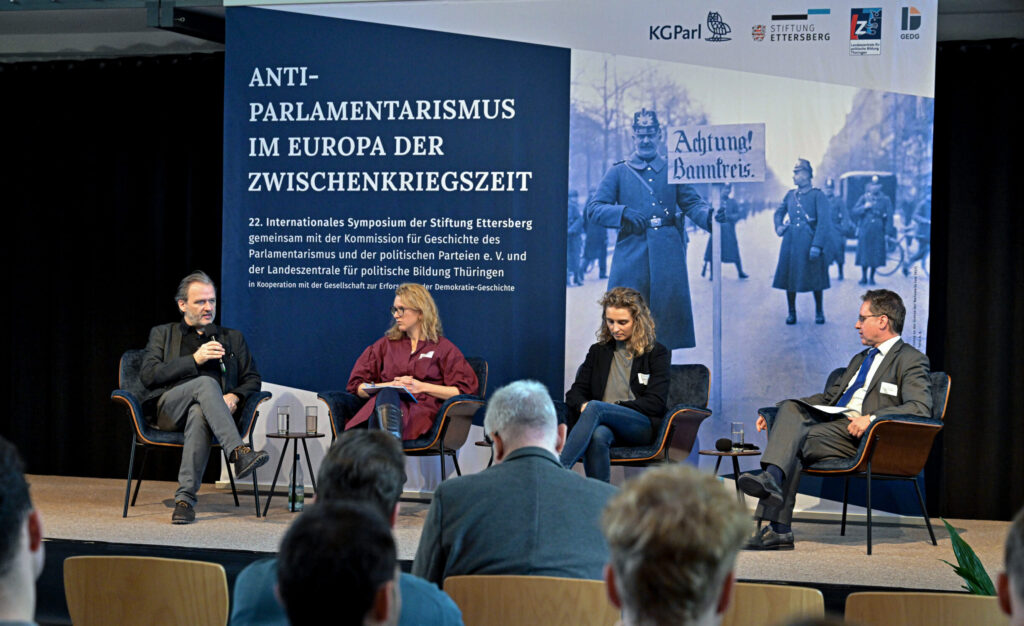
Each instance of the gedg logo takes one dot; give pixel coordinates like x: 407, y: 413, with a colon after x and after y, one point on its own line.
x: 910, y: 20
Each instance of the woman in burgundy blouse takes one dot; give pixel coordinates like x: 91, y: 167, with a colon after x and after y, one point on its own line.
x: 413, y: 354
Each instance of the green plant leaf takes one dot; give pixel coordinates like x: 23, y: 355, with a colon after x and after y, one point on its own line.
x: 968, y: 566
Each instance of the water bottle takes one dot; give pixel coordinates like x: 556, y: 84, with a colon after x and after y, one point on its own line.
x: 296, y: 488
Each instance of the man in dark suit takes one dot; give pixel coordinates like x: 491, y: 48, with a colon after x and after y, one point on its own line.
x: 199, y: 375
x: 526, y: 515
x: 889, y: 378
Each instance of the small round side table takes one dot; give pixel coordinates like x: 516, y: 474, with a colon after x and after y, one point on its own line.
x: 734, y: 454
x: 291, y: 438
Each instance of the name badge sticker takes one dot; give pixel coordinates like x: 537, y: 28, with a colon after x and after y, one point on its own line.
x: 889, y: 389
x: 427, y: 355
x: 643, y: 377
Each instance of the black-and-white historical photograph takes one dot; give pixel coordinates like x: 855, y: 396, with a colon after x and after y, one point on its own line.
x: 844, y: 207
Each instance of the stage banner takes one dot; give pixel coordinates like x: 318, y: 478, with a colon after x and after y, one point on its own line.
x: 349, y: 121
x: 361, y: 156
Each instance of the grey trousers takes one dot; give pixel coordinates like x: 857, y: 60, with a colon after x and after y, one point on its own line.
x: 802, y: 436
x: 197, y: 407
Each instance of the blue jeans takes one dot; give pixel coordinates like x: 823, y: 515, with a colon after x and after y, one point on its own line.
x: 601, y: 425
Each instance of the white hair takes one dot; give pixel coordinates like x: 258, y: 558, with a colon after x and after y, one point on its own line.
x: 522, y: 413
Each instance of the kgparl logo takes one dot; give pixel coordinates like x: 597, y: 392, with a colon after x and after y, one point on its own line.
x: 668, y: 32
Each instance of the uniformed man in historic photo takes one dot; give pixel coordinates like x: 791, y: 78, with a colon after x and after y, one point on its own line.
x: 636, y: 199
x: 804, y: 222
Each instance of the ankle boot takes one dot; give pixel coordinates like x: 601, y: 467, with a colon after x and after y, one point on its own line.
x: 390, y: 418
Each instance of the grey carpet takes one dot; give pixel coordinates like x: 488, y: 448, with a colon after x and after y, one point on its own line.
x: 90, y: 509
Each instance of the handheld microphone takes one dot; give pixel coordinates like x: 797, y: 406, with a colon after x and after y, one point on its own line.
x: 725, y: 445
x: 206, y: 331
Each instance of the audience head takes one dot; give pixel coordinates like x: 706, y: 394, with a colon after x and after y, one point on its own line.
x: 366, y: 466
x: 522, y: 414
x: 1011, y: 581
x: 416, y: 297
x: 344, y: 552
x: 673, y: 535
x: 889, y: 304
x: 21, y: 539
x: 624, y: 299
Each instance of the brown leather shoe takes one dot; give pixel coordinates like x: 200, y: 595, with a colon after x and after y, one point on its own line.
x: 246, y: 460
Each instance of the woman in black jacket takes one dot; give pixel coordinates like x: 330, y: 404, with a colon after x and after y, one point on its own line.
x: 621, y: 388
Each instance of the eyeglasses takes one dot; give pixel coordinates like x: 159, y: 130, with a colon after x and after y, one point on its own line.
x: 400, y: 310
x: 863, y: 318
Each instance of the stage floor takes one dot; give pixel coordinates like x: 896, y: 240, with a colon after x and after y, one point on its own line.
x: 89, y: 509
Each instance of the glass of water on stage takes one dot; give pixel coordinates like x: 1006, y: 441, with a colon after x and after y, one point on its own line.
x: 283, y: 416
x: 737, y: 436
x: 311, y: 417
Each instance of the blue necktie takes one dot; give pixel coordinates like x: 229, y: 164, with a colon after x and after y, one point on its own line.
x: 862, y: 375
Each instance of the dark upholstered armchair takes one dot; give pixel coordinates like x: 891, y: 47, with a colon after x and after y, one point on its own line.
x: 130, y: 390
x: 688, y: 402
x: 894, y: 447
x: 448, y: 432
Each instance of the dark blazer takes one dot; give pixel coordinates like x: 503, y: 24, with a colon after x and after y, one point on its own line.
x: 593, y: 376
x: 164, y: 367
x: 526, y: 515
x: 904, y: 367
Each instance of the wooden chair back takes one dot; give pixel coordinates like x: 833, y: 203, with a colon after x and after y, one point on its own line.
x: 755, y: 604
x: 872, y: 608
x: 530, y: 600
x: 143, y: 591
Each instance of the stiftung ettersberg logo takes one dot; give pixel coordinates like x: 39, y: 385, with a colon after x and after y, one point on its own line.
x: 717, y: 29
x: 793, y: 28
x: 866, y: 31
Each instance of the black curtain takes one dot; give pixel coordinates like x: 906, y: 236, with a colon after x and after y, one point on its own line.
x: 112, y: 190
x: 976, y: 325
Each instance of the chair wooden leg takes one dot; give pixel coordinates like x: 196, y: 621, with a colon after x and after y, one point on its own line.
x: 231, y: 475
x: 142, y: 470
x: 869, y: 506
x: 846, y: 499
x: 924, y: 511
x: 128, y: 485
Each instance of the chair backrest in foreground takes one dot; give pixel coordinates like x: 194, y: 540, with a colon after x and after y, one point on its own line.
x: 129, y: 590
x: 530, y: 600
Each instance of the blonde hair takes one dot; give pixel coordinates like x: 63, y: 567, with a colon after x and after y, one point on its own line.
x: 416, y: 296
x: 673, y: 535
x: 643, y: 324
